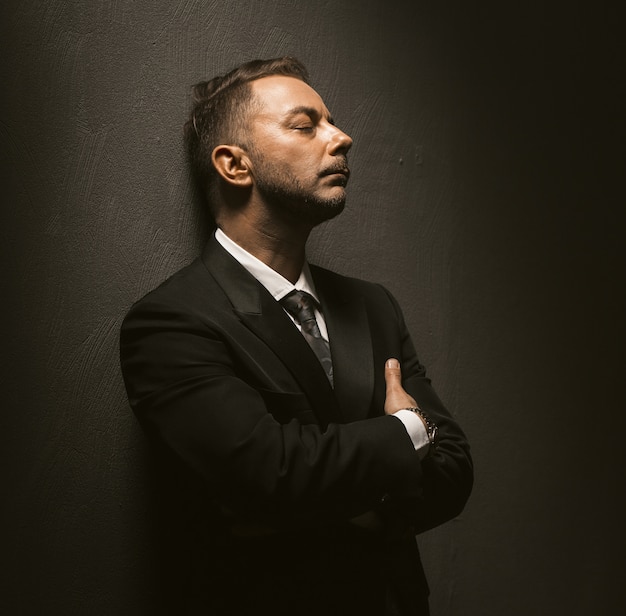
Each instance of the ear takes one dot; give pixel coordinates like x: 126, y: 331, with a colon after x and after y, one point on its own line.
x: 232, y: 163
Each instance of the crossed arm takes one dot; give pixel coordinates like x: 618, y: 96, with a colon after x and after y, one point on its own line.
x: 186, y: 388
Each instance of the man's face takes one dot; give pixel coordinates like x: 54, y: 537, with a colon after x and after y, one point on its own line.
x: 297, y: 155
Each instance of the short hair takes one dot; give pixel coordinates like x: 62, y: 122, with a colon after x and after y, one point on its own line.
x: 220, y: 111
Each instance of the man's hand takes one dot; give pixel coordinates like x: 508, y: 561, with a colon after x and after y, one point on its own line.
x: 396, y: 397
x: 395, y: 400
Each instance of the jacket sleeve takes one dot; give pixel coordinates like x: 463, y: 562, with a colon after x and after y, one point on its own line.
x: 447, y: 477
x: 190, y: 394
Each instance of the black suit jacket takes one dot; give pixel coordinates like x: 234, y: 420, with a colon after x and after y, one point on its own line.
x: 217, y: 373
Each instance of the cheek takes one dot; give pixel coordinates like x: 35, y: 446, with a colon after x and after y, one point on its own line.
x: 294, y: 160
x: 306, y: 163
x: 300, y: 166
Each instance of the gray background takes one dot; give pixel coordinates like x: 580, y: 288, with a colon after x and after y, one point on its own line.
x: 486, y: 194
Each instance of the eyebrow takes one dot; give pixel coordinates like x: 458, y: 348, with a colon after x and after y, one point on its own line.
x: 310, y: 111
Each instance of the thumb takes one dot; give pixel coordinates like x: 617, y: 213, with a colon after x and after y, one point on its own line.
x: 393, y: 374
x: 396, y: 398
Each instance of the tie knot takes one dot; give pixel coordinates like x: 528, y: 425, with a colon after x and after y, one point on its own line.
x: 300, y: 305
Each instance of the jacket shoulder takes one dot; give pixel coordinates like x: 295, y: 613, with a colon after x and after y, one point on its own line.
x: 345, y: 285
x: 181, y: 291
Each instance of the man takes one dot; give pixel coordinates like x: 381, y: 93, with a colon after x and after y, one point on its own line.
x: 304, y: 424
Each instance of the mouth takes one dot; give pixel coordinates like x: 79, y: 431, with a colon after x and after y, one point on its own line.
x: 341, y: 171
x: 337, y: 178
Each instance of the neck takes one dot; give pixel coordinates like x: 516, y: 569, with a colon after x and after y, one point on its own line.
x: 279, y: 246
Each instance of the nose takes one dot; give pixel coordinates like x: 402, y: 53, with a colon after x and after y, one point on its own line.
x: 340, y: 142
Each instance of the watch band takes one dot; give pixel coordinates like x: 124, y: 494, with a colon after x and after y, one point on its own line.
x: 432, y: 432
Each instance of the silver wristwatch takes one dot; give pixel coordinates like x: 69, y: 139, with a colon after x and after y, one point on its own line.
x: 432, y: 432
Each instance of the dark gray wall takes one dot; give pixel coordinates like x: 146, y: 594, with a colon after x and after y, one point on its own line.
x: 486, y: 194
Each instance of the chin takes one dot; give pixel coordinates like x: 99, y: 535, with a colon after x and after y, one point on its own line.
x: 306, y: 207
x: 317, y: 213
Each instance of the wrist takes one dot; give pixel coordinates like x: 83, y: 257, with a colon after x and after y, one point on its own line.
x: 432, y: 431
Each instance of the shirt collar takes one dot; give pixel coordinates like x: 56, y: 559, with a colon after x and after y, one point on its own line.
x: 277, y: 285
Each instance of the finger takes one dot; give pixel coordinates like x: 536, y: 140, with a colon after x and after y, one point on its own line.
x: 393, y: 373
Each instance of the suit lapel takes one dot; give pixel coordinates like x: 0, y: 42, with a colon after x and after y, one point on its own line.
x: 265, y: 317
x: 350, y: 344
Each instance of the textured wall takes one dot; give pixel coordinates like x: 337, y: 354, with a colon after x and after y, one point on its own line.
x: 484, y: 194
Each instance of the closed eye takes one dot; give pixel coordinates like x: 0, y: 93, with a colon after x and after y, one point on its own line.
x: 303, y: 118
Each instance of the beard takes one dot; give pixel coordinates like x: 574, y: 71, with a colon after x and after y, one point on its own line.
x: 285, y: 195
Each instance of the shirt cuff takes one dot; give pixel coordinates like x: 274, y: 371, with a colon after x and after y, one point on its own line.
x: 416, y: 430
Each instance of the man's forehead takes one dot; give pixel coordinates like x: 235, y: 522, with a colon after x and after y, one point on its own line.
x: 283, y: 94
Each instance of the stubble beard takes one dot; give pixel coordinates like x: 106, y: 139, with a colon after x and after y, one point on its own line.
x: 284, y: 194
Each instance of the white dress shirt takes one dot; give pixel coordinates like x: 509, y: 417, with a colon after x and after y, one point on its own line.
x: 279, y: 287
